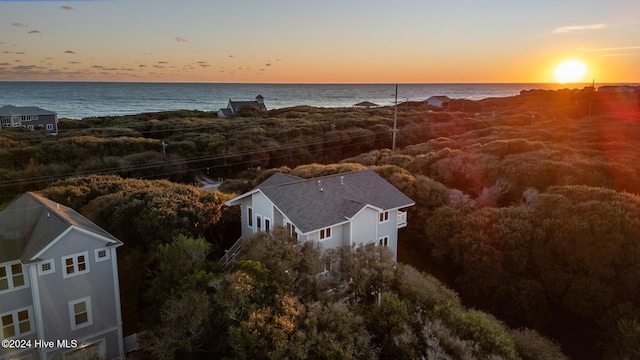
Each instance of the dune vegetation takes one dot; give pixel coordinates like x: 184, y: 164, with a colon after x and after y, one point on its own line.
x: 528, y: 207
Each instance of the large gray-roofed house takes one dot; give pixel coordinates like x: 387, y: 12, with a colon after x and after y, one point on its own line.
x: 29, y: 117
x: 345, y: 209
x: 234, y: 106
x: 58, y: 280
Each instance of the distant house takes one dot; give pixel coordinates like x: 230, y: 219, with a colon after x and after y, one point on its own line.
x: 438, y: 101
x: 338, y: 210
x: 365, y: 105
x: 29, y: 117
x: 618, y: 89
x: 58, y: 281
x: 234, y: 106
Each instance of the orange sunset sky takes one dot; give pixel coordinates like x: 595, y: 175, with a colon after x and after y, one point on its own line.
x: 332, y: 41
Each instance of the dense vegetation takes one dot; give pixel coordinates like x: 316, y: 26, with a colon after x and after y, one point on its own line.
x: 527, y: 206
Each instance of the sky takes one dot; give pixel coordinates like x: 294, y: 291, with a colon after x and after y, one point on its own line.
x: 330, y: 41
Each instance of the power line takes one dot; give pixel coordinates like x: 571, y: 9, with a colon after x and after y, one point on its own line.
x: 184, y: 161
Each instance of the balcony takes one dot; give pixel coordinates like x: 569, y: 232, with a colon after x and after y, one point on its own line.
x: 402, y: 219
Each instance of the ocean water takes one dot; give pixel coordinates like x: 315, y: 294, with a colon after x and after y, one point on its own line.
x: 77, y: 100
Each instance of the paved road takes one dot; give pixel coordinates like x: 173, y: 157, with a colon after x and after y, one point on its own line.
x: 207, y: 183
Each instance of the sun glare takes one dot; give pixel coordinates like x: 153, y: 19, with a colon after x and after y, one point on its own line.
x: 570, y: 71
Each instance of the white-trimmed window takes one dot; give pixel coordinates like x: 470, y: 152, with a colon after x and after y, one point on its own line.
x: 250, y: 216
x: 325, y: 233
x: 102, y: 254
x: 267, y: 224
x: 384, y: 216
x: 80, y: 313
x: 75, y: 264
x: 383, y: 241
x: 46, y: 267
x: 291, y: 229
x: 49, y: 126
x: 259, y: 222
x: 12, y: 276
x: 16, y: 323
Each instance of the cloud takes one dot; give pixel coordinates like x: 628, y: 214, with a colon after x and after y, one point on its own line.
x: 65, y: 7
x: 34, y: 32
x: 578, y: 28
x: 19, y: 52
x: 17, y: 24
x: 69, y: 52
x: 74, y: 62
x: 231, y: 56
x: 27, y: 67
x: 621, y: 48
x: 163, y: 62
x: 181, y: 39
x: 267, y: 64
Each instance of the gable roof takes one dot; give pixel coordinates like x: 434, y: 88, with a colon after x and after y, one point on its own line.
x: 9, y: 110
x: 32, y: 222
x: 313, y: 204
x: 366, y: 104
x: 439, y: 97
x: 237, y: 105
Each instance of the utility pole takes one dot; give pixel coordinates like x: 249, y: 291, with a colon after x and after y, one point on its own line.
x: 164, y: 147
x: 591, y: 93
x: 395, y: 121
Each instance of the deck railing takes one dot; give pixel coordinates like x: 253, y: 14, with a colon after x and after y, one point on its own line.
x: 231, y: 254
x: 402, y: 219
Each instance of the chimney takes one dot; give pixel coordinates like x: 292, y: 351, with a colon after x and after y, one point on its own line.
x: 341, y: 180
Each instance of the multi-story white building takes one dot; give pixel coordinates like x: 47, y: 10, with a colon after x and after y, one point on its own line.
x: 338, y: 210
x: 29, y: 117
x: 59, y: 289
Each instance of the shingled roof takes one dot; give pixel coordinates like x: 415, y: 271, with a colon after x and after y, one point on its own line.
x: 9, y: 110
x: 316, y: 203
x: 32, y: 222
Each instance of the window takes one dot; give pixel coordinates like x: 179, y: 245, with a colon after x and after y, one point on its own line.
x: 267, y: 224
x: 259, y: 222
x: 384, y: 216
x: 49, y: 126
x: 46, y: 267
x: 80, y: 313
x: 325, y: 233
x: 12, y: 276
x: 250, y: 216
x: 383, y: 241
x: 16, y: 323
x: 102, y: 254
x: 75, y: 264
x: 291, y: 230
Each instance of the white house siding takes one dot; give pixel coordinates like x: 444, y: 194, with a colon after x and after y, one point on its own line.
x: 346, y: 234
x: 364, y: 227
x: 247, y: 230
x: 390, y: 229
x: 56, y: 291
x: 336, y: 240
x: 262, y: 207
x: 15, y: 299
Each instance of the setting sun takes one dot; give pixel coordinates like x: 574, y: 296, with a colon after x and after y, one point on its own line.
x: 570, y: 71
